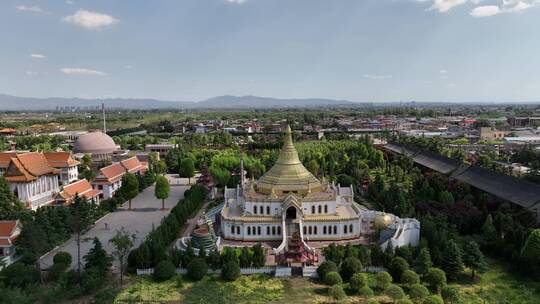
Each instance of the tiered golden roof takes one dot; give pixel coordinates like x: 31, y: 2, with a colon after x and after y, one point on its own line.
x: 288, y: 174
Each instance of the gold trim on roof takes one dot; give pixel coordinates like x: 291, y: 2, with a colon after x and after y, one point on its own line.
x: 288, y: 173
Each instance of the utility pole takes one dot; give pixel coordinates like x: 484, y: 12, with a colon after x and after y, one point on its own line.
x: 103, y: 113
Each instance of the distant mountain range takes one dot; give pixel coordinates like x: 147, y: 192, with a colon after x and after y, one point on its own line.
x: 11, y: 103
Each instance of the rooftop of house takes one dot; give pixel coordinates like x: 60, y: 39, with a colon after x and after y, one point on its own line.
x: 27, y: 167
x: 61, y: 159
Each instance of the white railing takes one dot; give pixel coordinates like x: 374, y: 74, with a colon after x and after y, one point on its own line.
x: 244, y: 271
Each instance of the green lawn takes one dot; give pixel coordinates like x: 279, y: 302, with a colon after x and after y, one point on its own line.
x: 497, y: 285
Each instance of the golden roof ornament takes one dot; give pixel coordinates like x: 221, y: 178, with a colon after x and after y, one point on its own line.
x: 273, y: 194
x: 288, y: 173
x: 382, y: 221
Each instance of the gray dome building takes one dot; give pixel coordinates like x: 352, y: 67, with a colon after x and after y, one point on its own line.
x: 98, y: 144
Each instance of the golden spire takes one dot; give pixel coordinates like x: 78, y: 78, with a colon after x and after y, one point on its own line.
x: 288, y: 174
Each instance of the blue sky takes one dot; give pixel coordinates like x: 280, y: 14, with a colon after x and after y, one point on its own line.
x: 362, y: 50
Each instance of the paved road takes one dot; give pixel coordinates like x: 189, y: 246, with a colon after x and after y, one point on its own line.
x: 139, y: 221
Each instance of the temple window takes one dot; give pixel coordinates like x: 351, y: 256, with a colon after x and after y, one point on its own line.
x: 279, y: 229
x: 254, y: 209
x: 273, y: 230
x: 325, y: 208
x: 310, y: 230
x: 351, y: 228
x: 261, y: 210
x: 249, y: 230
x: 315, y: 230
x: 259, y: 230
x: 232, y: 229
x: 267, y: 209
x: 335, y: 229
x: 313, y: 209
x: 267, y: 230
x: 324, y: 229
x: 345, y: 229
x: 320, y: 209
x: 237, y: 229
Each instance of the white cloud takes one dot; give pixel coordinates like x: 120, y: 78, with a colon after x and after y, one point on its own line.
x: 443, y: 72
x: 82, y: 72
x: 486, y: 11
x: 236, y: 1
x: 377, y: 77
x: 69, y: 2
x: 451, y: 85
x: 443, y: 6
x: 32, y: 9
x: 128, y: 67
x: 90, y: 20
x: 31, y: 73
x: 37, y: 56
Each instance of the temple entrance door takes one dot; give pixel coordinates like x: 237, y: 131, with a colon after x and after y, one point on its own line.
x: 291, y: 213
x: 290, y: 220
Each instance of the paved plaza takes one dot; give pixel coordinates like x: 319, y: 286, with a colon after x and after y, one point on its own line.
x: 147, y: 214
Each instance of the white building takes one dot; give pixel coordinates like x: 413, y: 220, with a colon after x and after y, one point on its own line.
x: 64, y: 162
x: 291, y: 207
x: 33, y: 180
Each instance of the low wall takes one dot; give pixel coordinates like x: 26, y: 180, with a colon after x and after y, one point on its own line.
x: 244, y: 271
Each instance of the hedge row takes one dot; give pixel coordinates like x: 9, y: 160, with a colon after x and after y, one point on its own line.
x: 154, y: 248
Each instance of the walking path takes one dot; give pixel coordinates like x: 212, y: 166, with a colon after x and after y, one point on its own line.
x: 192, y: 222
x: 147, y: 214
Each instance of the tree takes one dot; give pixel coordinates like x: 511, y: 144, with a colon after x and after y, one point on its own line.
x: 130, y: 187
x: 446, y: 197
x: 418, y: 292
x: 436, y: 279
x: 163, y: 271
x: 350, y: 266
x: 245, y: 259
x: 259, y: 257
x: 382, y: 280
x: 410, y: 278
x: 62, y: 257
x: 162, y: 190
x: 197, y: 269
x: 78, y: 220
x: 423, y: 261
x: 97, y: 258
x: 530, y: 252
x: 433, y: 299
x: 395, y: 292
x: 451, y: 295
x: 230, y: 271
x: 10, y: 207
x: 214, y: 259
x: 122, y: 242
x: 452, y: 259
x: 489, y: 232
x: 473, y: 257
x: 357, y: 281
x: 326, y: 267
x: 397, y: 267
x: 332, y: 278
x: 337, y: 292
x: 186, y: 168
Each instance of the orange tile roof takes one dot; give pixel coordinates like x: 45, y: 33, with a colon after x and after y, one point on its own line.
x: 60, y: 159
x: 7, y: 228
x: 132, y: 164
x: 82, y: 188
x: 27, y: 167
x: 5, y: 158
x: 111, y: 173
x: 7, y: 130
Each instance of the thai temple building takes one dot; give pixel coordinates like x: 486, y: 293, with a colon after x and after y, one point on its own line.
x: 291, y: 210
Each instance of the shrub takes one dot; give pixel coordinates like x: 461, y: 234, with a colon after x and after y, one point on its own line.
x: 164, y: 270
x: 197, y: 269
x: 436, y: 278
x: 326, y: 267
x: 20, y: 275
x: 395, y: 292
x: 62, y: 257
x: 230, y: 271
x: 350, y: 266
x: 418, y: 293
x: 433, y: 299
x: 383, y: 280
x: 337, y: 292
x: 357, y: 281
x: 397, y: 267
x: 332, y: 278
x: 404, y: 301
x: 365, y: 291
x: 410, y: 277
x: 451, y: 295
x: 372, y: 301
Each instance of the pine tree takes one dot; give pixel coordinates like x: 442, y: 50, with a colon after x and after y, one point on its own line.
x: 423, y: 261
x: 473, y: 257
x: 245, y: 260
x: 489, y: 232
x: 452, y: 259
x: 97, y: 258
